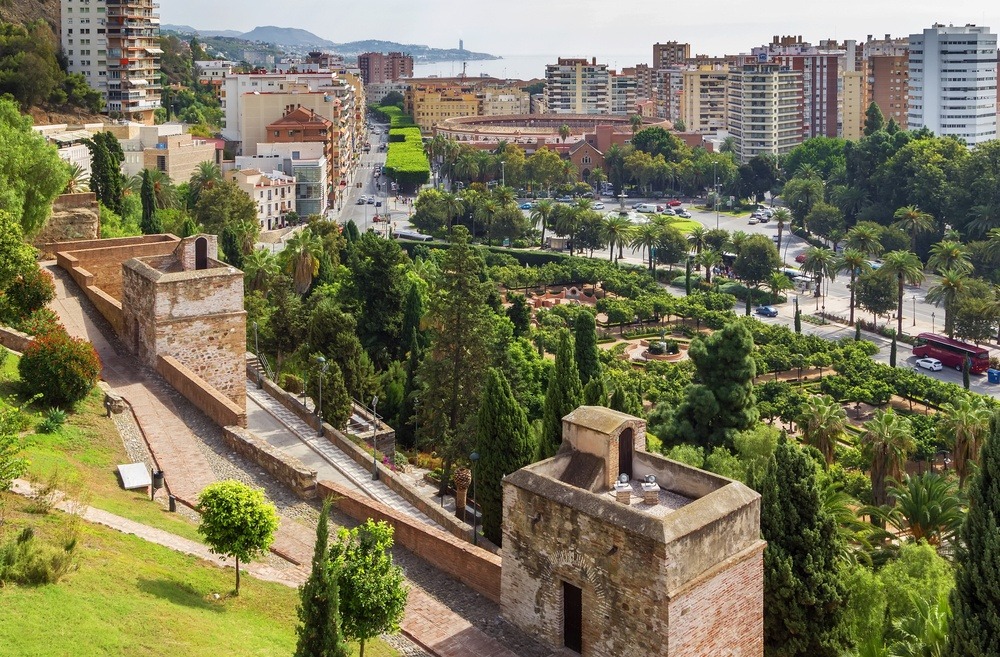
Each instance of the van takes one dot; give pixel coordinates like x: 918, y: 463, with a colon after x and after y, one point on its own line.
x: 648, y: 208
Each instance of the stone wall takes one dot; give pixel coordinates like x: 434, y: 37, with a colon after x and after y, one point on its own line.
x: 286, y: 469
x: 200, y: 393
x: 722, y: 612
x: 103, y: 258
x: 471, y: 565
x: 14, y: 339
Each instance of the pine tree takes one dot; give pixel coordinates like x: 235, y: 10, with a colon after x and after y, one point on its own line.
x: 561, y: 398
x: 503, y: 440
x: 595, y: 393
x: 455, y: 364
x: 975, y: 623
x: 150, y: 224
x: 588, y: 362
x: 319, y: 606
x: 519, y: 314
x: 625, y: 402
x: 874, y: 119
x: 722, y: 402
x: 804, y: 597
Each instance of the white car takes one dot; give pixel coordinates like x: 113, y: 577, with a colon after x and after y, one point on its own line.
x: 932, y: 364
x: 598, y: 206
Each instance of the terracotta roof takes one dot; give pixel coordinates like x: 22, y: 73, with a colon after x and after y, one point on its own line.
x: 301, y: 116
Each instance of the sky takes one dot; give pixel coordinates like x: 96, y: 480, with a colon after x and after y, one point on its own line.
x: 580, y: 28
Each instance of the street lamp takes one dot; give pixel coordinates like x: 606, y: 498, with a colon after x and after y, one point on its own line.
x: 933, y: 326
x: 503, y: 174
x: 374, y: 437
x: 474, y: 457
x: 715, y: 188
x: 256, y: 351
x: 914, y: 310
x: 323, y: 366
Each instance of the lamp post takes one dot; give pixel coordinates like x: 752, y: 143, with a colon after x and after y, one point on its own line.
x: 933, y: 326
x: 375, y: 437
x: 914, y: 310
x: 715, y: 188
x: 503, y: 174
x: 474, y: 457
x: 256, y: 352
x: 323, y: 366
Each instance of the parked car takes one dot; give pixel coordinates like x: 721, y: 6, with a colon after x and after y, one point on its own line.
x: 598, y: 206
x: 371, y: 200
x: 932, y: 364
x: 360, y: 201
x: 800, y: 258
x: 684, y: 213
x: 564, y: 199
x: 766, y: 311
x: 753, y: 221
x: 525, y: 206
x: 674, y: 203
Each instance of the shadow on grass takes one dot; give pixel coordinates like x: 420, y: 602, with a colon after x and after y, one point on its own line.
x: 180, y: 593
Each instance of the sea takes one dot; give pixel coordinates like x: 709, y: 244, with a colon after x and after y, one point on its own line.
x: 519, y: 67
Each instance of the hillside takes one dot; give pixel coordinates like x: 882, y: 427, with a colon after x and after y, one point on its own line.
x: 25, y: 11
x: 286, y: 36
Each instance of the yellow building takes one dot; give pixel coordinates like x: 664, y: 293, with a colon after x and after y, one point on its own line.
x: 852, y: 112
x: 431, y: 104
x: 703, y: 99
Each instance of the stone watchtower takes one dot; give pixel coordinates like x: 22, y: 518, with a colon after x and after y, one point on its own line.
x: 188, y: 306
x: 609, y: 550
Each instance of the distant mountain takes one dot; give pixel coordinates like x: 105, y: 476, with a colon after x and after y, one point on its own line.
x: 297, y: 40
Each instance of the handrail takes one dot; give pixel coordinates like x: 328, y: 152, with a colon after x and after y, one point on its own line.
x: 267, y: 366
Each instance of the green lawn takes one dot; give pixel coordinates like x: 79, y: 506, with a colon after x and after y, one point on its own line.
x: 130, y: 597
x: 685, y: 225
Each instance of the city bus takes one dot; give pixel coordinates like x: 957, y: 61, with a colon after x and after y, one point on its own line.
x: 952, y: 353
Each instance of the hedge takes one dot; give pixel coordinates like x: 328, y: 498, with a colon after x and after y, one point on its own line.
x: 392, y: 114
x: 406, y: 162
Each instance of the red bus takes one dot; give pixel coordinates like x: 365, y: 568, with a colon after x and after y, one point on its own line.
x: 952, y: 353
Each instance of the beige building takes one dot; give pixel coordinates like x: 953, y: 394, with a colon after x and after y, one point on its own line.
x: 764, y: 109
x: 274, y: 194
x: 503, y: 101
x: 577, y: 86
x: 703, y: 99
x: 430, y: 104
x: 852, y: 104
x: 178, y: 156
x: 670, y: 54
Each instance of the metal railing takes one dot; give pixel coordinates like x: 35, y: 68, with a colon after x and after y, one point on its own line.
x: 266, y: 366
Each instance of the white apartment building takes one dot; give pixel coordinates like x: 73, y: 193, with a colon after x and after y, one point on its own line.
x: 274, y: 194
x: 765, y: 109
x: 953, y: 82
x: 115, y: 44
x: 624, y: 93
x: 83, y: 36
x: 304, y: 161
x: 576, y: 86
x: 213, y: 71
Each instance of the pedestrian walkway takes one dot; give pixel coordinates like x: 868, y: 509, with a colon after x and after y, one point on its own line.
x: 321, y: 455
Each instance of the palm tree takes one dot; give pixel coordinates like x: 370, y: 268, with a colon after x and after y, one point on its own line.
x: 911, y: 220
x: 259, y: 267
x: 853, y: 262
x: 823, y: 422
x: 453, y: 208
x: 728, y: 145
x: 906, y: 267
x: 737, y: 240
x: 696, y: 238
x: 949, y: 254
x: 566, y: 221
x: 777, y: 284
x: 865, y: 239
x: 466, y: 166
x: 646, y: 238
x: 708, y: 258
x: 782, y: 217
x: 78, y: 179
x: 617, y: 230
x: 947, y: 292
x: 886, y: 443
x: 963, y: 425
x: 636, y: 122
x: 820, y: 263
x: 542, y: 214
x: 926, y: 507
x: 487, y: 210
x: 564, y: 132
x: 301, y: 259
x: 206, y: 176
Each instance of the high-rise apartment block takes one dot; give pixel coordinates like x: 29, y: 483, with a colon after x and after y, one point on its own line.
x: 703, y: 99
x: 953, y: 82
x: 623, y: 93
x: 670, y: 54
x: 765, y: 109
x: 377, y: 68
x: 886, y: 65
x: 576, y: 86
x: 820, y: 81
x: 115, y: 44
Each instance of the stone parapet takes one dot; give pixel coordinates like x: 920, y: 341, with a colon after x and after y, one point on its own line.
x: 286, y: 469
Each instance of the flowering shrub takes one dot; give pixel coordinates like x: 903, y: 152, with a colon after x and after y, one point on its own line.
x: 29, y: 292
x: 41, y: 322
x: 60, y: 368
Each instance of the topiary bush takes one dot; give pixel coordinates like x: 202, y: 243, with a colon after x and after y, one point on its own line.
x: 61, y: 368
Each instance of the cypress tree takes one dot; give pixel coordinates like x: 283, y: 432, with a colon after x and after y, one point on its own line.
x: 413, y: 313
x: 874, y: 119
x: 892, y: 351
x: 405, y: 433
x: 687, y: 277
x: 562, y: 396
x: 804, y: 597
x: 625, y: 402
x: 319, y: 606
x: 585, y: 336
x: 595, y: 393
x: 857, y: 331
x: 519, y: 313
x: 150, y: 223
x: 798, y: 321
x: 503, y: 440
x: 965, y: 373
x: 975, y: 623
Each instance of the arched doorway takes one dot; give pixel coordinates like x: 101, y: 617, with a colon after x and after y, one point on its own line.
x: 625, y: 440
x: 201, y: 253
